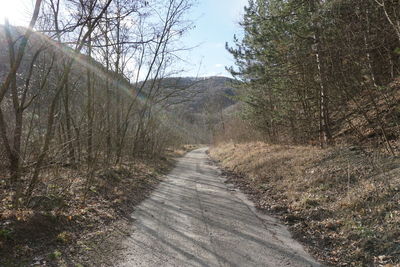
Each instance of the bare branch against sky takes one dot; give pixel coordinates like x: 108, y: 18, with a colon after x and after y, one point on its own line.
x: 212, y: 29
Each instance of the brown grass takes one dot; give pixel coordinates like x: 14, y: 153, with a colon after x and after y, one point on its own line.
x: 182, y: 150
x: 65, y: 226
x: 342, y: 202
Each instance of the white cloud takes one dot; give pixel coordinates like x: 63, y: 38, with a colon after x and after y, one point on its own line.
x: 218, y: 65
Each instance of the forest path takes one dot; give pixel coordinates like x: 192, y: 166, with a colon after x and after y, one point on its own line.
x: 194, y: 219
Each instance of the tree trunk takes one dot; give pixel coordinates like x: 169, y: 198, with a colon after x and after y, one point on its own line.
x: 324, y: 128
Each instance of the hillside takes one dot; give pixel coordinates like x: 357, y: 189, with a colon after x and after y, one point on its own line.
x: 341, y: 202
x: 209, y: 90
x: 198, y: 103
x: 76, y: 143
x: 193, y: 94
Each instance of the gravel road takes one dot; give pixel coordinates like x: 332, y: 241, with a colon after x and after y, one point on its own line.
x: 194, y: 219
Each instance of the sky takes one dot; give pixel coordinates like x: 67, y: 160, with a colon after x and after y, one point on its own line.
x: 216, y: 22
x: 17, y: 11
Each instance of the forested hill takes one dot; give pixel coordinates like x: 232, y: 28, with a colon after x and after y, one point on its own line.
x: 194, y: 95
x: 197, y: 103
x: 321, y: 71
x: 73, y: 131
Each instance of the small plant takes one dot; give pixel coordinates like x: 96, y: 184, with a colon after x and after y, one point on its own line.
x: 311, y: 202
x: 364, y: 231
x: 263, y: 186
x: 55, y: 255
x: 64, y: 237
x: 5, y: 234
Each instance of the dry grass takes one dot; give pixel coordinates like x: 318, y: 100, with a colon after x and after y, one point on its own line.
x: 182, y: 150
x: 68, y: 222
x: 342, y: 202
x: 66, y: 225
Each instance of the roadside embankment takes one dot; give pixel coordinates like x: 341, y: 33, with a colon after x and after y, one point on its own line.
x: 343, y: 203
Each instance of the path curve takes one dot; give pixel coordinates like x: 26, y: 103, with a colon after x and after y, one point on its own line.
x: 194, y: 219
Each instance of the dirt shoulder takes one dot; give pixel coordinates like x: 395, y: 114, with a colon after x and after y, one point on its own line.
x: 74, y: 228
x: 342, y: 203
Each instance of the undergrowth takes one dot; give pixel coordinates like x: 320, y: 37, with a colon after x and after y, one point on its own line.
x: 343, y: 203
x: 71, y: 223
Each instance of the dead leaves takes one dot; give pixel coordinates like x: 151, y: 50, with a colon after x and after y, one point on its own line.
x: 342, y: 203
x: 83, y: 217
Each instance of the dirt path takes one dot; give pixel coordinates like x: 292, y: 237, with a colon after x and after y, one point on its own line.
x: 195, y: 219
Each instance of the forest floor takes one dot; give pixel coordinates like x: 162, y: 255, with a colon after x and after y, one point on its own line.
x: 343, y: 203
x: 74, y: 228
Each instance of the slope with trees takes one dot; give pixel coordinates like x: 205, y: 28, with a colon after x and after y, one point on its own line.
x: 77, y: 136
x: 310, y: 67
x: 321, y: 73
